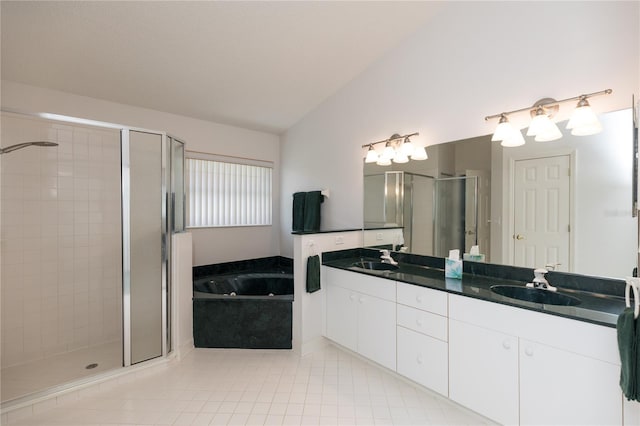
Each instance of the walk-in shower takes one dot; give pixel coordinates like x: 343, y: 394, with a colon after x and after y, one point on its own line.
x: 85, y: 233
x: 435, y: 214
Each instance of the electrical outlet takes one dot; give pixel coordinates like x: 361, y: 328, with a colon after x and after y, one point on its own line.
x: 339, y: 240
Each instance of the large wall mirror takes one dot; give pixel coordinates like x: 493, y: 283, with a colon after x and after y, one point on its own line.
x: 566, y: 202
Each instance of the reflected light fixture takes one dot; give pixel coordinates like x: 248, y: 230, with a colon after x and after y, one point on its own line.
x: 583, y: 121
x: 397, y: 149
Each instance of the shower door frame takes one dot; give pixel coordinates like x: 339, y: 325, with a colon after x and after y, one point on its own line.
x: 167, y: 331
x: 126, y: 243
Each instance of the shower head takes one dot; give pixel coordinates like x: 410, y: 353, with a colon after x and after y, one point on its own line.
x: 26, y: 144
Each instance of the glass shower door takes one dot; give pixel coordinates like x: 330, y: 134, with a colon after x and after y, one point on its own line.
x: 145, y: 274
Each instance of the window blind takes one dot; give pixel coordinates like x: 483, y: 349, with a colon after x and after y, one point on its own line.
x: 228, y: 194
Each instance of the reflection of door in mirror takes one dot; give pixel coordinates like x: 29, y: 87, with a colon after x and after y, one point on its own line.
x: 541, y: 212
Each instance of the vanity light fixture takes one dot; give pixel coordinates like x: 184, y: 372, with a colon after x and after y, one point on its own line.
x: 397, y: 149
x: 583, y: 121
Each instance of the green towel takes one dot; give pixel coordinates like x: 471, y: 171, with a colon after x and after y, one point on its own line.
x: 298, y: 211
x: 628, y: 335
x: 312, y: 202
x: 313, y: 273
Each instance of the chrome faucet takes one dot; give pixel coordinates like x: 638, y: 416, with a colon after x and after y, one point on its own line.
x: 386, y: 257
x: 540, y: 281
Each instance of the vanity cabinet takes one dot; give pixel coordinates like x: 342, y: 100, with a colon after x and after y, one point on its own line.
x: 518, y: 366
x: 483, y: 371
x: 422, y: 336
x: 361, y: 314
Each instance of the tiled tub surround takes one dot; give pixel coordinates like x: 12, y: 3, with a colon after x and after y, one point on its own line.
x: 61, y: 245
x: 244, y: 304
x: 489, y: 353
x: 602, y: 299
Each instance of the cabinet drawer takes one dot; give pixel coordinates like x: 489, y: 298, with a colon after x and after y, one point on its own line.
x: 424, y: 360
x: 423, y: 322
x: 434, y: 301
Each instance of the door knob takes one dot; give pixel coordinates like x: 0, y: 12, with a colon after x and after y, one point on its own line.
x: 519, y: 237
x: 471, y: 232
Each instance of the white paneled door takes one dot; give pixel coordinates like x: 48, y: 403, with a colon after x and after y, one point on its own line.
x: 542, y: 201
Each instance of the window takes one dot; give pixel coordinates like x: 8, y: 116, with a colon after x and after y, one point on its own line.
x: 221, y: 193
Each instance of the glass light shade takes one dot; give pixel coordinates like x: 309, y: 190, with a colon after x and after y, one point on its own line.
x: 583, y: 121
x: 407, y: 147
x: 550, y: 132
x: 503, y: 130
x: 543, y: 128
x: 514, y: 139
x: 383, y: 161
x: 419, y: 153
x: 400, y: 157
x: 389, y: 152
x: 372, y: 156
x: 539, y: 122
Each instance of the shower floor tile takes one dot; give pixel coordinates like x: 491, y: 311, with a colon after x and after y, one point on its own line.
x: 44, y: 373
x: 256, y: 387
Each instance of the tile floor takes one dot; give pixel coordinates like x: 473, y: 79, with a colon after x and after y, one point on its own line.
x: 245, y: 387
x: 44, y: 373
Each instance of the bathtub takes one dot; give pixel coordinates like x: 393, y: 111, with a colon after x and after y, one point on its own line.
x: 247, y: 309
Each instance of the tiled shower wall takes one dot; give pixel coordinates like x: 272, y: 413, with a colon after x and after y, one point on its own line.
x: 60, y: 234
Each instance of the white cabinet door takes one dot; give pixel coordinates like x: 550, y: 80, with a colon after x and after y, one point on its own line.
x: 483, y: 371
x: 424, y: 360
x: 377, y: 330
x: 342, y: 316
x: 563, y: 388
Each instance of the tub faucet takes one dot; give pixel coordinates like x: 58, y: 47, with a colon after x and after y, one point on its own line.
x: 540, y: 281
x: 386, y: 257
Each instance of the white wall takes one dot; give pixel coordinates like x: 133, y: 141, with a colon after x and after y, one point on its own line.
x: 210, y: 245
x: 475, y: 59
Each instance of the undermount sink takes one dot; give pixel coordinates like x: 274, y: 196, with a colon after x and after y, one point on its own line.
x: 375, y: 265
x: 535, y: 295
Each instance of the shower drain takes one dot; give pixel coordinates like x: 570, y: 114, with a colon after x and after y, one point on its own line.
x: 90, y: 366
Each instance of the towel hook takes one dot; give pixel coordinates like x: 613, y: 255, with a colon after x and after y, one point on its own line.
x: 633, y: 283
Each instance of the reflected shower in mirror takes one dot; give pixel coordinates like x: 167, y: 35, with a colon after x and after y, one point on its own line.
x: 565, y: 201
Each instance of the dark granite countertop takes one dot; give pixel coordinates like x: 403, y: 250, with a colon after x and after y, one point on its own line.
x: 595, y: 307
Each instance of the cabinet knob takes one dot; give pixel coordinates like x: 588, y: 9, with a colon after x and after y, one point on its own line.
x: 419, y: 299
x: 352, y: 297
x: 419, y: 322
x: 528, y: 351
x: 419, y: 359
x: 506, y: 344
x: 361, y: 300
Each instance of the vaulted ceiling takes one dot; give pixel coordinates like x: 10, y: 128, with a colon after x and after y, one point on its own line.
x: 259, y: 65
